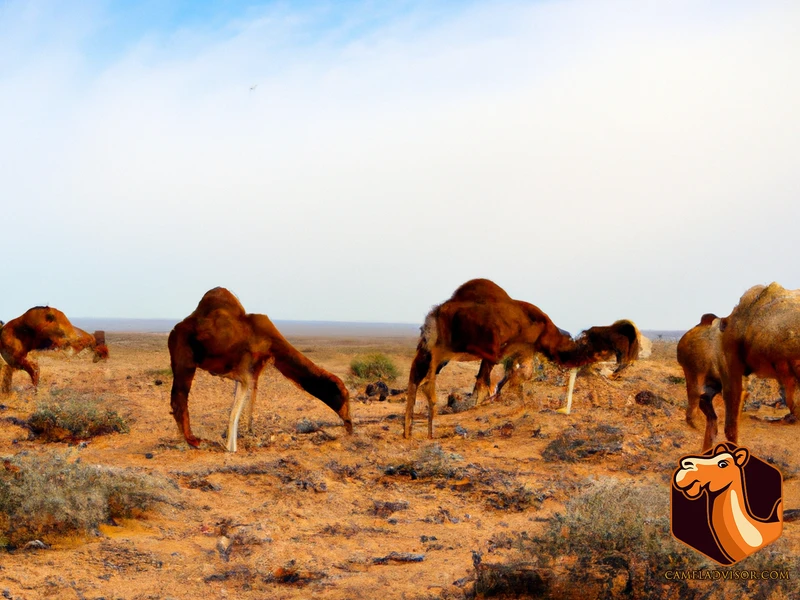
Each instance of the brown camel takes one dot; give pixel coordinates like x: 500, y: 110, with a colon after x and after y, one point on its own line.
x: 700, y: 356
x: 42, y: 328
x: 736, y: 530
x: 219, y: 337
x: 481, y: 322
x: 761, y: 336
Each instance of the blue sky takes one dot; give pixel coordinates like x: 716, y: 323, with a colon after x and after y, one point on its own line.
x: 601, y: 159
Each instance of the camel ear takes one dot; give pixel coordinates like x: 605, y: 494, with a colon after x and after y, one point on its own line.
x: 720, y: 449
x: 740, y: 456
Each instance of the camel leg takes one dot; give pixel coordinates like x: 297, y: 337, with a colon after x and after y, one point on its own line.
x: 419, y: 370
x: 732, y: 395
x: 789, y: 385
x: 31, y: 368
x: 241, y: 396
x: 429, y: 389
x: 182, y: 378
x: 482, y: 382
x: 706, y: 403
x: 249, y: 405
x: 6, y: 373
x: 693, y: 392
x: 570, y: 387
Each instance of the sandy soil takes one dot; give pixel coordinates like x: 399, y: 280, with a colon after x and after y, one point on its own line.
x: 296, y: 515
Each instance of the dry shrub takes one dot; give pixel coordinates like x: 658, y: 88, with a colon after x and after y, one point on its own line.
x: 430, y: 462
x: 74, y: 417
x: 373, y: 367
x: 614, y: 541
x: 576, y: 443
x: 45, y: 497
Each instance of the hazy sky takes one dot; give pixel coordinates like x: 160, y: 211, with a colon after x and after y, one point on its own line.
x: 600, y: 159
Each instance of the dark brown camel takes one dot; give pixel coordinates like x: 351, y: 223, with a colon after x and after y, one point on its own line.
x: 41, y: 328
x: 481, y: 322
x: 219, y: 337
x: 761, y: 336
x: 700, y: 356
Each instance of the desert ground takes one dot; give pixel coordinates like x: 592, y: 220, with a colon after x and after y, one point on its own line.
x: 303, y: 510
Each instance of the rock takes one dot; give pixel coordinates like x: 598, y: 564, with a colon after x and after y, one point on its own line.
x: 404, y: 557
x: 384, y: 509
x: 648, y: 398
x: 223, y: 546
x: 306, y: 426
x: 36, y: 545
x: 377, y: 389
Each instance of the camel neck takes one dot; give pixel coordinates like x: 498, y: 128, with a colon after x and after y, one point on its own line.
x: 730, y: 514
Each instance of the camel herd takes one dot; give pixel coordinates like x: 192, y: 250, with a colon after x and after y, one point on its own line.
x: 479, y: 322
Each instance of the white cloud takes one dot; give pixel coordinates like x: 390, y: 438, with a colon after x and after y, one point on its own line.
x: 601, y: 160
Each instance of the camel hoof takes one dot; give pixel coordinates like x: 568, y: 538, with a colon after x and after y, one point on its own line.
x: 193, y: 441
x: 563, y: 411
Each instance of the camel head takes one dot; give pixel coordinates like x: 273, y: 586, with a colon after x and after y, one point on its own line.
x: 335, y: 394
x: 710, y: 473
x: 619, y: 340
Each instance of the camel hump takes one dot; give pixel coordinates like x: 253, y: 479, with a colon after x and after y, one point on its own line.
x: 219, y: 298
x: 480, y: 290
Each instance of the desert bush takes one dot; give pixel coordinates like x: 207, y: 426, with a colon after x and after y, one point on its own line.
x: 77, y: 417
x: 614, y: 540
x: 430, y: 462
x: 578, y: 443
x: 372, y: 367
x: 615, y: 537
x: 45, y: 497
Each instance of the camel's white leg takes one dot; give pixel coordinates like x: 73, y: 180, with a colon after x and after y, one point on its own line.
x: 572, y: 373
x: 241, y: 395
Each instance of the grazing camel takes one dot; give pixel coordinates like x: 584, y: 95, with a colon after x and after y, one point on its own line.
x: 481, y: 322
x: 761, y: 336
x: 737, y: 532
x: 41, y: 328
x: 219, y: 337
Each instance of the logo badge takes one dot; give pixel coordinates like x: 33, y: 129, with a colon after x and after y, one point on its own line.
x: 726, y: 503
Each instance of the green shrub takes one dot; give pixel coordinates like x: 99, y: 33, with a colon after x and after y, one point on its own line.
x: 45, y: 497
x: 74, y: 417
x: 373, y: 367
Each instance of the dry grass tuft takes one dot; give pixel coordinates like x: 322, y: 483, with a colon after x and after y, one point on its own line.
x: 74, y: 417
x: 46, y: 497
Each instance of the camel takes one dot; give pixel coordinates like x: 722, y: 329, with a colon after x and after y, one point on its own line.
x: 761, y: 337
x: 42, y: 328
x: 700, y: 356
x: 219, y: 337
x: 737, y: 531
x: 482, y: 322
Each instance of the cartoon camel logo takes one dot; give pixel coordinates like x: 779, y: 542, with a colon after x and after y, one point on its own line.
x: 717, y: 498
